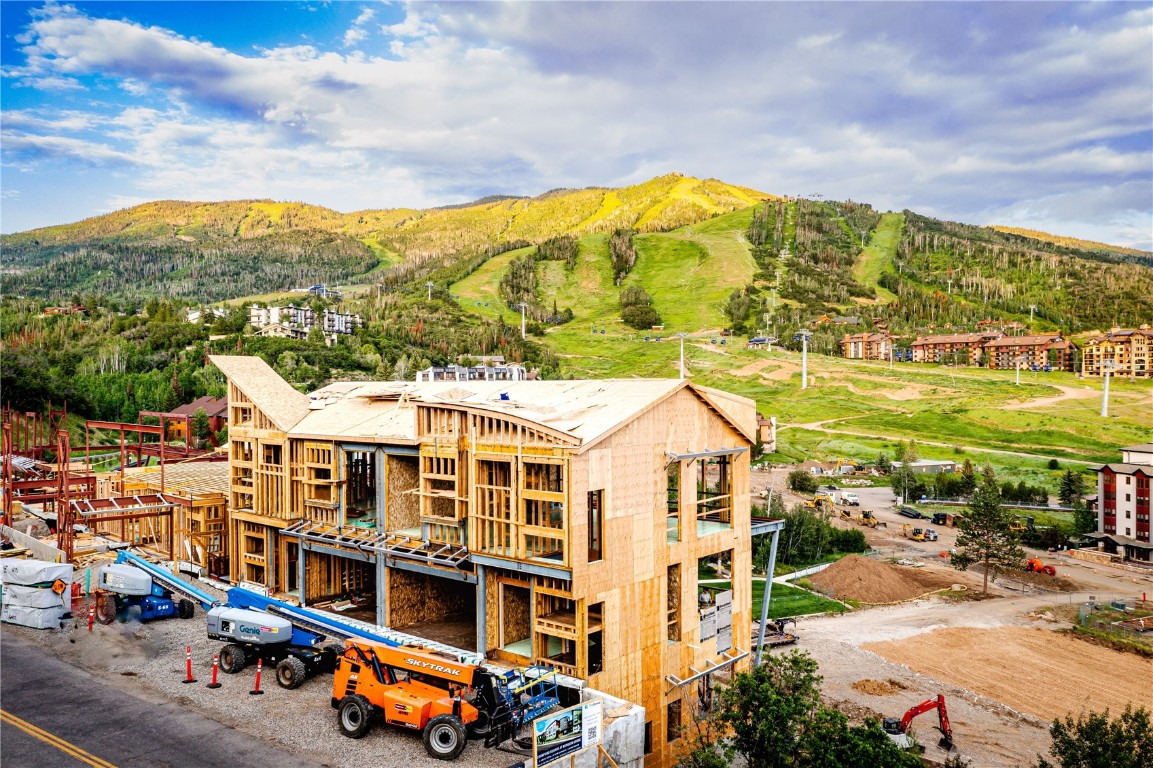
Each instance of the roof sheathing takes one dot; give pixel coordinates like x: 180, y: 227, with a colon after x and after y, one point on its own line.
x: 579, y: 413
x: 274, y: 396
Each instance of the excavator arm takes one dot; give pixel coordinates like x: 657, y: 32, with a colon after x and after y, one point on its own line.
x: 942, y: 713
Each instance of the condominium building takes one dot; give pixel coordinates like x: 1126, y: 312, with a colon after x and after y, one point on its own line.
x: 867, y: 346
x: 956, y: 348
x: 1123, y: 507
x: 1036, y: 351
x: 564, y: 523
x: 1130, y: 350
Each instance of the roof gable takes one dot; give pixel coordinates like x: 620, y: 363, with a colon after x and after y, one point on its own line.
x: 274, y: 396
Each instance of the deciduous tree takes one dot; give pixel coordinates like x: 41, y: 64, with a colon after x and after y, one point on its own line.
x: 1094, y: 740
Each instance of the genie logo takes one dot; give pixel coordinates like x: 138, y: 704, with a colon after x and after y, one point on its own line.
x: 245, y: 630
x: 434, y: 667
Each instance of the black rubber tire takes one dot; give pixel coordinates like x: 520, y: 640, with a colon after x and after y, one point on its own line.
x: 445, y: 737
x: 337, y: 648
x: 290, y: 673
x: 354, y: 716
x: 481, y: 727
x: 185, y: 609
x: 105, y: 607
x: 232, y: 659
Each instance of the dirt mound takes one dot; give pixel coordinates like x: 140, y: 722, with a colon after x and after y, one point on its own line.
x: 870, y: 581
x: 880, y: 687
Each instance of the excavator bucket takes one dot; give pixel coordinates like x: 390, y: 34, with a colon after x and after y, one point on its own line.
x: 946, y: 743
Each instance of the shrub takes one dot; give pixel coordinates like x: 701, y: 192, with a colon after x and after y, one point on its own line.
x: 802, y: 482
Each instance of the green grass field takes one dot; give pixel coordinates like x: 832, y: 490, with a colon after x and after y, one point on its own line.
x: 855, y: 408
x: 879, y: 254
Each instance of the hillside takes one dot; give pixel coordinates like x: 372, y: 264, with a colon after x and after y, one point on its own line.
x: 212, y: 251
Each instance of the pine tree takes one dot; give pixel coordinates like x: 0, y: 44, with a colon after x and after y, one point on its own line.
x: 968, y: 478
x: 986, y: 537
x: 1072, y: 487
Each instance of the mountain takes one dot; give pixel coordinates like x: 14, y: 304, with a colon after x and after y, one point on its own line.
x: 702, y: 252
x: 204, y: 252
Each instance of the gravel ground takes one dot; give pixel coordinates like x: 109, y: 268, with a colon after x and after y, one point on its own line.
x: 149, y: 660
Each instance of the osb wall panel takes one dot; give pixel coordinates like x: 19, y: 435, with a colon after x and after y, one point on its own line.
x: 414, y: 598
x: 516, y: 613
x: 492, y: 610
x: 402, y: 509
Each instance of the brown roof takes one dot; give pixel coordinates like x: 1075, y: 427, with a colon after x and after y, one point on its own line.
x: 211, y: 405
x: 949, y: 338
x: 865, y: 337
x: 274, y: 396
x: 1024, y: 341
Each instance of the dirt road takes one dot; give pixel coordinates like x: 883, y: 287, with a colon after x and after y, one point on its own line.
x: 1004, y: 672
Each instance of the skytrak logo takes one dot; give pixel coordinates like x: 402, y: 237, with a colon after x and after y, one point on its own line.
x: 433, y: 667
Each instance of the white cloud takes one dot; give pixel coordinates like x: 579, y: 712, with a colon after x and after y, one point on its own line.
x: 929, y: 107
x: 818, y: 41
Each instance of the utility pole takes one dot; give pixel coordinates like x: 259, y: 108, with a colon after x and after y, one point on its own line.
x: 522, y: 306
x: 1107, y: 366
x: 1031, y: 308
x: 1018, y: 361
x: 430, y: 287
x: 805, y: 334
x: 682, y: 335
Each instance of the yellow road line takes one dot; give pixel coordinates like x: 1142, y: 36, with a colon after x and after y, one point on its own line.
x: 54, y: 740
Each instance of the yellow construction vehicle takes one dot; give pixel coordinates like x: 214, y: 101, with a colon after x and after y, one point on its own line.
x: 821, y: 503
x: 846, y: 515
x: 867, y: 518
x: 852, y: 465
x: 909, y: 532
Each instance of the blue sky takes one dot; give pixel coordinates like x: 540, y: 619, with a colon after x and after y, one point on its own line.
x: 1027, y: 114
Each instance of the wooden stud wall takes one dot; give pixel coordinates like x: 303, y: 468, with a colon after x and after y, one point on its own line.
x: 415, y: 598
x: 327, y: 577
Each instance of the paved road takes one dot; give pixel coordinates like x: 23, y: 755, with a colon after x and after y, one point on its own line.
x: 54, y: 714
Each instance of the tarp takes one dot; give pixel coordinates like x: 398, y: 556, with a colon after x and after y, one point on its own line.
x: 32, y: 572
x: 31, y: 597
x: 37, y: 618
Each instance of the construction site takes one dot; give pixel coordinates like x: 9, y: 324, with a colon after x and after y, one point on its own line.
x: 552, y: 531
x: 535, y: 546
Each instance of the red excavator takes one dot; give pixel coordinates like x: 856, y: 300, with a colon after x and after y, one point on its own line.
x: 898, y: 728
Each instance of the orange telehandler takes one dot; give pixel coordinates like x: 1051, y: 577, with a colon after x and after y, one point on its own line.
x: 416, y: 688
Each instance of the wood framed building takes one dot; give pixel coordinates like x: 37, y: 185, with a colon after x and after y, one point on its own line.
x: 199, y: 528
x: 551, y: 522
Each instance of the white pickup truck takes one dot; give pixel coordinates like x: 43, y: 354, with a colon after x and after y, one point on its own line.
x: 850, y: 499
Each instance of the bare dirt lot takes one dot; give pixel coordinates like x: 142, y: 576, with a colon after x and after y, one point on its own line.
x: 1004, y: 672
x: 1037, y: 671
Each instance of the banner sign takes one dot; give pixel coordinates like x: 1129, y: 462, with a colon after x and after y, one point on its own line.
x: 724, y: 621
x: 565, y: 733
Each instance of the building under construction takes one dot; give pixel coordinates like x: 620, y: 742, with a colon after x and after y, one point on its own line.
x: 559, y: 522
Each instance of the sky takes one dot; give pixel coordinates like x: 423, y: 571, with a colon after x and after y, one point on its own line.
x: 1030, y: 114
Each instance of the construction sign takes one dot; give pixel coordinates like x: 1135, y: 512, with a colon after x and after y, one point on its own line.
x: 561, y: 734
x: 724, y: 621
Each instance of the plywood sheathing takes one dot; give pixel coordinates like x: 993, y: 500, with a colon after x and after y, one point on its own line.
x: 402, y: 510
